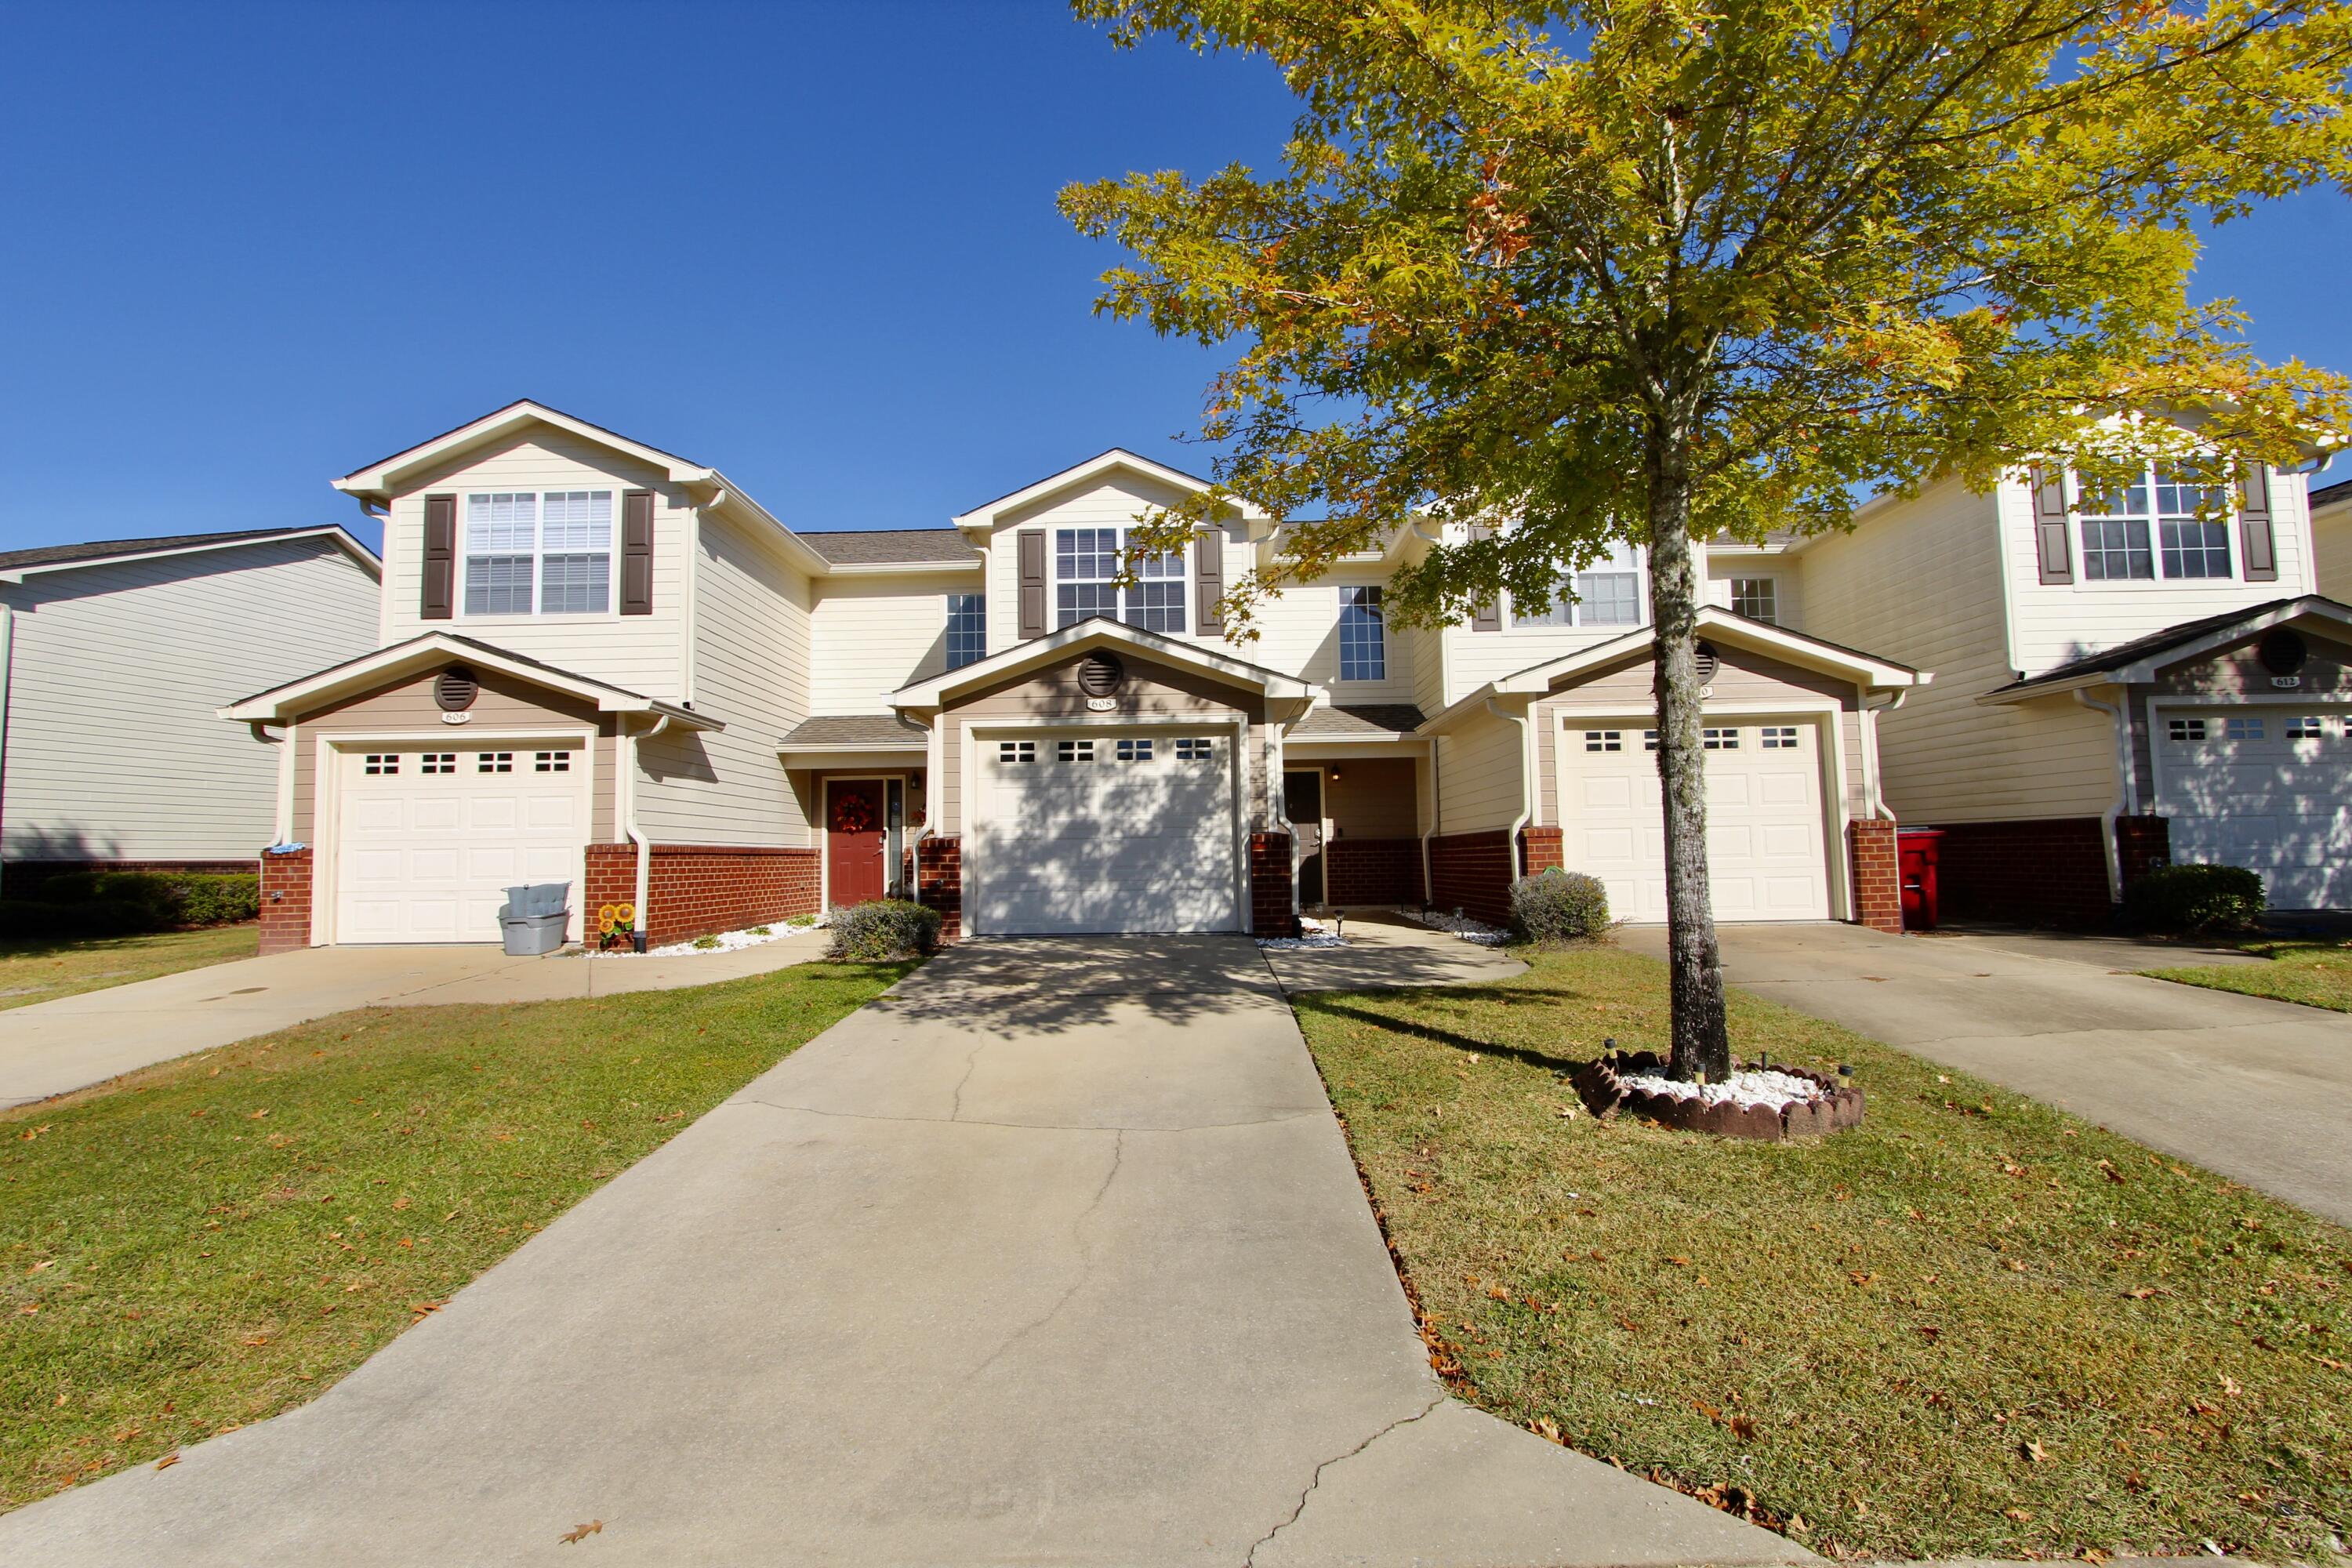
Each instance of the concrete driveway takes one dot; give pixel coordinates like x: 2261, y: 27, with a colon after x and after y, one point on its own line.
x: 56, y: 1047
x: 2250, y: 1088
x: 1054, y: 1256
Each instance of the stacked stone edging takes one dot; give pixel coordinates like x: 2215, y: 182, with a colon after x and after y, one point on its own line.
x: 1600, y: 1084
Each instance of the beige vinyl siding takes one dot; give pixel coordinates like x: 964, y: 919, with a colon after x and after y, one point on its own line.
x: 640, y: 653
x: 1109, y: 503
x: 1298, y: 634
x: 1151, y: 693
x: 753, y: 651
x: 2061, y: 621
x: 871, y: 636
x: 1744, y: 676
x: 113, y: 749
x: 1788, y: 586
x: 1920, y: 581
x: 1480, y: 763
x: 2331, y: 548
x: 505, y: 707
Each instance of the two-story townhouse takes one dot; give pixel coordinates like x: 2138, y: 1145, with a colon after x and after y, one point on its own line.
x: 2122, y: 680
x: 605, y: 664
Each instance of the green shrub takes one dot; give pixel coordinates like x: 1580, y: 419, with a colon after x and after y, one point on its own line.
x: 90, y: 917
x: 886, y: 928
x: 706, y: 943
x: 2189, y: 900
x: 1558, y: 906
x: 170, y: 898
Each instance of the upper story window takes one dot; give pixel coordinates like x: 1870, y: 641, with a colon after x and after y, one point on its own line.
x: 1606, y: 593
x: 1087, y: 563
x: 1758, y: 598
x: 966, y: 629
x: 547, y: 554
x: 1363, y: 646
x: 2162, y: 517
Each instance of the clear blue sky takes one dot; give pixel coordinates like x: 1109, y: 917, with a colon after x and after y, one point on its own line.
x: 244, y: 249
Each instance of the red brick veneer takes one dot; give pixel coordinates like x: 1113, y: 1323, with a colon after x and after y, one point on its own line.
x: 1372, y: 870
x: 2143, y: 844
x: 2053, y: 872
x: 694, y: 889
x: 1877, y: 874
x: 285, y: 900
x: 1273, y: 911
x: 938, y: 882
x: 1540, y: 849
x: 1472, y: 872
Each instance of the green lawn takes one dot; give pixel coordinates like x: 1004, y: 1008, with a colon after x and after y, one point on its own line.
x: 36, y: 969
x: 1974, y: 1326
x: 2316, y: 973
x: 207, y: 1242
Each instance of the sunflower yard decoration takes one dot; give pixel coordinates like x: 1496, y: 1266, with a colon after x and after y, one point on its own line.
x: 616, y: 925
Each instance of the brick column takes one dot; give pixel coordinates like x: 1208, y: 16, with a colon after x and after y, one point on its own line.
x: 1472, y: 872
x: 939, y: 882
x: 1273, y: 911
x: 612, y: 878
x: 1540, y: 850
x: 285, y: 899
x: 2143, y: 844
x: 1877, y: 874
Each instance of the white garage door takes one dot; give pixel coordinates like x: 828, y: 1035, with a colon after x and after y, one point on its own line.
x: 1765, y: 853
x: 1105, y: 832
x: 2265, y: 788
x: 428, y: 842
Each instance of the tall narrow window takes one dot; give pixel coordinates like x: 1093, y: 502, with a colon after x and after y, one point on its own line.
x: 966, y: 629
x: 501, y: 542
x: 1758, y: 598
x: 1364, y: 649
x: 1157, y: 602
x: 1086, y: 562
x: 2192, y: 527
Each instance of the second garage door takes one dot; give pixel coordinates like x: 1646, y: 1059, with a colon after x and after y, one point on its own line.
x: 2264, y: 788
x: 1104, y: 832
x: 1764, y: 837
x: 428, y: 842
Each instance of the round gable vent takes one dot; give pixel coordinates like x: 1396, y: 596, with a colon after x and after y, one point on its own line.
x: 2283, y: 652
x: 455, y: 690
x: 1099, y: 674
x: 1708, y: 663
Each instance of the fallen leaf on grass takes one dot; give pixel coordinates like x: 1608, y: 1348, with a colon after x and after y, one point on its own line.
x: 1928, y: 1330
x: 2034, y: 1452
x: 580, y: 1533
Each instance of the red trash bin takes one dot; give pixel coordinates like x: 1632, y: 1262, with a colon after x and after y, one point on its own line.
x: 1918, y: 850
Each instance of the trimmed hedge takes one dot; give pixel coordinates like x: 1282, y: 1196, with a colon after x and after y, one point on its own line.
x: 1558, y: 906
x: 116, y: 903
x: 2188, y: 901
x: 886, y: 928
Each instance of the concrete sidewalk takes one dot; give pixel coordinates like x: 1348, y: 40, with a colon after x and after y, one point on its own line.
x: 1056, y: 1255
x: 2245, y: 1085
x: 55, y: 1047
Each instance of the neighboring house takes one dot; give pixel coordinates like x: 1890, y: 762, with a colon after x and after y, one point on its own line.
x: 113, y: 657
x: 605, y: 664
x: 2121, y: 681
x: 2331, y: 539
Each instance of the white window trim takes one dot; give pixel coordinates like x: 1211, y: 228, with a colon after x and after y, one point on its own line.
x: 1637, y: 565
x: 612, y: 610
x: 2079, y: 542
x: 1340, y: 677
x: 1124, y: 607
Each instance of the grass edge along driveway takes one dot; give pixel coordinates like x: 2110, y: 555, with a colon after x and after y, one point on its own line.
x: 39, y: 969
x: 2316, y: 973
x: 1973, y: 1327
x: 208, y: 1242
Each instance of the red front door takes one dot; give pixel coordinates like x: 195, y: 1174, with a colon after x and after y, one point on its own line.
x: 856, y: 837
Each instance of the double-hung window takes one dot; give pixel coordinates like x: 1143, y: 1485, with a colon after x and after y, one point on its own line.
x: 1364, y: 648
x: 1086, y: 566
x: 966, y: 629
x: 1606, y: 593
x: 2163, y: 515
x: 548, y: 553
x: 1758, y: 598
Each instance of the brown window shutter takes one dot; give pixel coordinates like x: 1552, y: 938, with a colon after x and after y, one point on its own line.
x: 2255, y: 545
x: 1032, y: 542
x: 636, y: 552
x: 1487, y: 618
x: 438, y: 601
x: 2053, y: 543
x: 1209, y: 581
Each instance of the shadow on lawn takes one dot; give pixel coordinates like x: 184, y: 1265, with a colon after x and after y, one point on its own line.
x: 1335, y: 1004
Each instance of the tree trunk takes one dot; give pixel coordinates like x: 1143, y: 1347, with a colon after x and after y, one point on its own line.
x: 1702, y: 1043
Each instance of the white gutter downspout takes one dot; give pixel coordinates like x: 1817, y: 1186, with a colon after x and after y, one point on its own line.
x: 934, y: 750
x: 2123, y: 791
x: 1877, y: 797
x: 1428, y: 871
x: 1526, y: 785
x: 636, y: 834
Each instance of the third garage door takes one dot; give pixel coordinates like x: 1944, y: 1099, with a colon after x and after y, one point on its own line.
x: 1105, y: 832
x: 1765, y: 844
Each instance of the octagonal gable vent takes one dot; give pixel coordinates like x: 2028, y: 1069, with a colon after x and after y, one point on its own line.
x: 1099, y: 674
x: 456, y: 688
x: 2283, y: 652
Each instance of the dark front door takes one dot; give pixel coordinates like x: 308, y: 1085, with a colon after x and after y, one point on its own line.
x: 857, y: 834
x: 1302, y: 802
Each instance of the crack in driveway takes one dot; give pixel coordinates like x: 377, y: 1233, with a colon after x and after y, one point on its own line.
x: 1085, y: 1260
x: 1316, y: 1480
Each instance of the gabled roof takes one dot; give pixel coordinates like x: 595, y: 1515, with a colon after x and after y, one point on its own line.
x: 283, y: 704
x: 1099, y: 631
x: 934, y: 547
x: 1117, y: 459
x: 15, y: 565
x: 2140, y: 658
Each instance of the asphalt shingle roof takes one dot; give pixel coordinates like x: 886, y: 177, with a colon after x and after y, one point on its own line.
x: 854, y: 730
x: 2139, y: 648
x: 892, y: 546
x: 105, y: 549
x: 1366, y: 718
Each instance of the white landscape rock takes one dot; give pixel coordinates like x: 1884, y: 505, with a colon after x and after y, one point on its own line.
x: 1312, y: 932
x: 1756, y: 1086
x: 728, y: 942
x: 1458, y: 924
